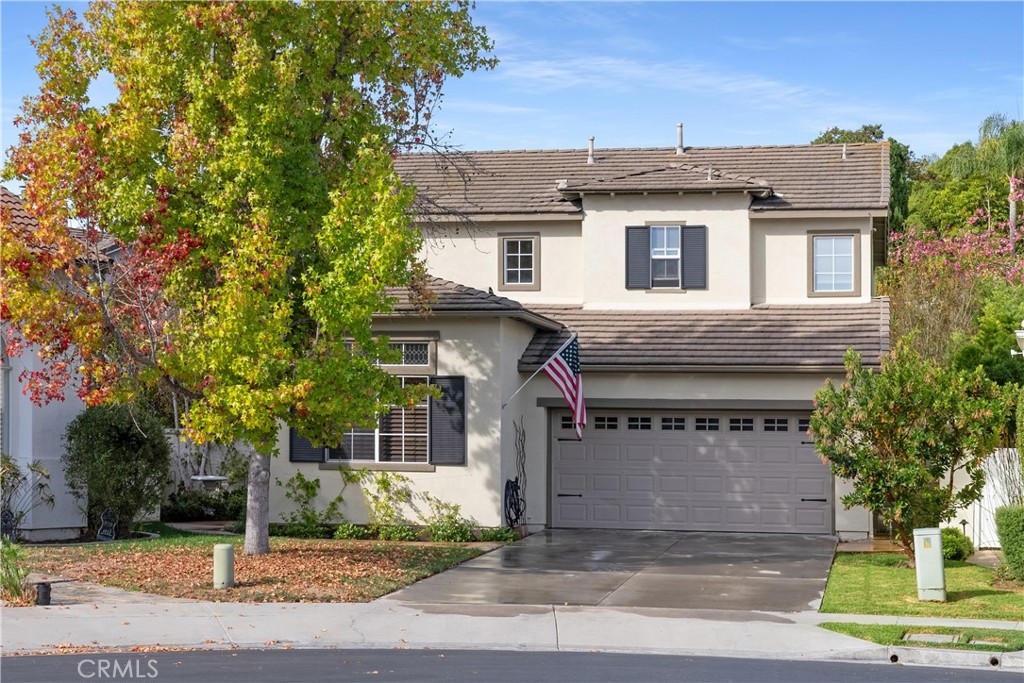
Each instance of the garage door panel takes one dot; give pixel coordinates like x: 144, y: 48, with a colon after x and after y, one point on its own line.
x: 571, y: 483
x: 777, y: 455
x: 668, y: 483
x: 685, y: 479
x: 603, y: 484
x: 636, y: 454
x: 706, y: 484
x: 741, y: 454
x: 771, y: 486
x: 741, y: 484
x: 639, y: 483
x: 607, y: 453
x: 672, y: 454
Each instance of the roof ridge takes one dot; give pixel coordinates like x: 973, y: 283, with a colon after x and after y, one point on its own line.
x: 477, y: 293
x: 655, y: 148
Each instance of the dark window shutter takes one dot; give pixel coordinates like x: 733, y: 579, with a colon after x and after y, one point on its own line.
x: 301, y: 450
x: 638, y: 257
x: 695, y: 256
x: 448, y: 422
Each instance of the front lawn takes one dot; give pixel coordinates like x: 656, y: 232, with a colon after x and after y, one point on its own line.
x: 983, y: 639
x: 874, y: 583
x: 296, y: 570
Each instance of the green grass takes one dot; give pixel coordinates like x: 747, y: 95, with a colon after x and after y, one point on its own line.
x: 875, y: 583
x: 885, y: 634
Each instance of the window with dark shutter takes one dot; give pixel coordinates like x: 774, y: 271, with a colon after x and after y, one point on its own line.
x: 448, y: 422
x: 638, y: 257
x: 641, y: 259
x: 301, y: 450
x: 695, y: 257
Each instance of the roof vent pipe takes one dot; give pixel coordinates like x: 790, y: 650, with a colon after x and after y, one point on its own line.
x: 679, y: 139
x: 709, y: 171
x: 590, y: 153
x: 844, y: 150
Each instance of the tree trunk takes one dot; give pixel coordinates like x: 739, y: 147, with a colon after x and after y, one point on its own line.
x: 257, y: 507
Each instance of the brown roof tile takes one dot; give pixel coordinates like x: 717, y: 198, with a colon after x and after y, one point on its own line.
x: 502, y: 182
x: 763, y: 337
x: 451, y: 297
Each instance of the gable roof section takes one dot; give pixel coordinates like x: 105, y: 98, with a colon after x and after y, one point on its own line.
x: 447, y: 297
x: 799, y: 177
x: 762, y: 338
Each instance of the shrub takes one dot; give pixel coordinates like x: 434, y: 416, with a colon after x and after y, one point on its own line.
x: 300, y: 530
x: 446, y: 524
x: 192, y: 505
x: 305, y: 517
x: 397, y: 532
x: 350, y: 531
x: 22, y: 491
x: 117, y: 457
x: 955, y: 545
x: 1010, y: 528
x: 13, y: 570
x: 499, y: 534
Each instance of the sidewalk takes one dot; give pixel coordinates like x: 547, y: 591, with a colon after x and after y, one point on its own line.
x: 115, y: 619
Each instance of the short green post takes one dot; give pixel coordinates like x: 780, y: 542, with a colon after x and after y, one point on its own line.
x: 223, y: 565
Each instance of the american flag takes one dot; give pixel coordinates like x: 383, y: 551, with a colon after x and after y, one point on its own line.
x: 564, y: 370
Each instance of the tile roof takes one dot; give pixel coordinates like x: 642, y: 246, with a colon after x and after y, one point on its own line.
x: 792, y: 338
x: 11, y: 204
x: 524, y: 182
x: 451, y: 297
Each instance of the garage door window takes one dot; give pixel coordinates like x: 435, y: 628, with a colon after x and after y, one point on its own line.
x: 673, y: 424
x: 605, y: 422
x: 741, y: 424
x: 706, y: 424
x: 643, y: 423
x: 776, y: 424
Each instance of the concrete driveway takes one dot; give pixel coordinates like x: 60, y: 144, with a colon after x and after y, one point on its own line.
x: 688, y: 570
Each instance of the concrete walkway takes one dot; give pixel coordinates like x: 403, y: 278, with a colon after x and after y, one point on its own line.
x: 117, y: 619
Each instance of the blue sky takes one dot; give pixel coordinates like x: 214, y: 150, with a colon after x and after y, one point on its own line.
x: 734, y: 73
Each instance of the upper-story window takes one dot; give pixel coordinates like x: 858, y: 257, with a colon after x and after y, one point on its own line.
x: 833, y: 268
x: 413, y: 353
x: 667, y: 257
x: 520, y: 262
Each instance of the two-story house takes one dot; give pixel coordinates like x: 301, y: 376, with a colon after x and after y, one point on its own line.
x: 713, y: 290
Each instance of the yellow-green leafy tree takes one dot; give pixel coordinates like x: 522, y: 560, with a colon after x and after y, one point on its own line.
x: 244, y: 172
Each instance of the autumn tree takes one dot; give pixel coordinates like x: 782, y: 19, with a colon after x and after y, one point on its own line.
x: 902, y: 435
x: 245, y: 175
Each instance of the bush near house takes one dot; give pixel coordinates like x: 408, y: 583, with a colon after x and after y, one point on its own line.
x: 116, y: 457
x: 1010, y: 528
x: 955, y: 545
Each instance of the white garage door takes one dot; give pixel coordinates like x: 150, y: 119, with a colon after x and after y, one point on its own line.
x: 689, y: 471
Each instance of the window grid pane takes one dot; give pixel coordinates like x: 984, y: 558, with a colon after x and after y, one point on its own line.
x: 665, y: 253
x: 833, y: 263
x: 401, y: 435
x: 643, y: 423
x: 518, y: 261
x: 676, y: 424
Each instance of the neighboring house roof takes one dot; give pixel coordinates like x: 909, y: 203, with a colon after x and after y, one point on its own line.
x: 11, y: 204
x: 447, y: 297
x: 765, y: 337
x: 800, y: 177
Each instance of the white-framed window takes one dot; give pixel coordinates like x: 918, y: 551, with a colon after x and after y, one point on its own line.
x: 674, y: 424
x: 606, y: 422
x: 638, y: 423
x: 401, y: 435
x: 833, y: 264
x: 665, y: 252
x: 519, y: 267
x: 741, y: 424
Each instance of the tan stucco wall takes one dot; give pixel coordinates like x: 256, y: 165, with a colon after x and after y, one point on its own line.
x: 485, y: 352
x: 604, y: 249
x: 779, y: 259
x: 471, y: 257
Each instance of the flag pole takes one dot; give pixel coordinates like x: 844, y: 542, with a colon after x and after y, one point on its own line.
x: 537, y: 372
